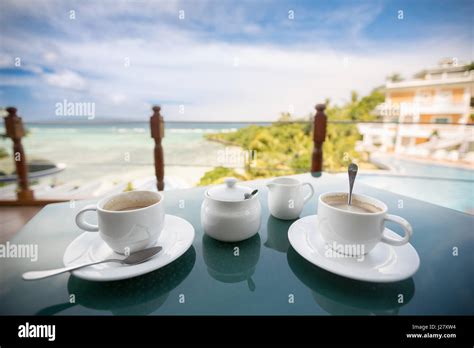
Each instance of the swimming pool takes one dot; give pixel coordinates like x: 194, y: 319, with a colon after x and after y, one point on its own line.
x: 442, y: 185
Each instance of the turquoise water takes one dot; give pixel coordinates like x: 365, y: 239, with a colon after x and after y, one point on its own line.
x: 94, y: 151
x: 442, y: 185
x: 114, y: 151
x: 108, y: 144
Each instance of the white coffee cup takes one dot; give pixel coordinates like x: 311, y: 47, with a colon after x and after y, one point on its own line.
x: 354, y: 230
x: 286, y: 197
x: 127, y: 231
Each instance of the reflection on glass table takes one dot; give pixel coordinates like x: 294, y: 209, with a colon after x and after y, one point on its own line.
x: 342, y: 296
x: 232, y: 262
x: 136, y: 296
x: 277, y: 234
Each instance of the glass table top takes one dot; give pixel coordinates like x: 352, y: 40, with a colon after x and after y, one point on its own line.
x: 267, y: 278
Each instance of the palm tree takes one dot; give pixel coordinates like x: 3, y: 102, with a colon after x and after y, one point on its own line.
x: 395, y: 77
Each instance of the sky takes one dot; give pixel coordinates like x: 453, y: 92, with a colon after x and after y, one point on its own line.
x: 217, y: 60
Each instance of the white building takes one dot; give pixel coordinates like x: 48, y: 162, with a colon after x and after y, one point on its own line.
x: 426, y: 116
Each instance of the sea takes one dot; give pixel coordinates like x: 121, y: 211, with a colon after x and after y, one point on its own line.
x: 114, y: 151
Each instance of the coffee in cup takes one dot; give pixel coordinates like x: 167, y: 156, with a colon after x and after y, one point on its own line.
x: 357, y: 227
x: 130, y: 202
x: 128, y: 221
x: 358, y: 206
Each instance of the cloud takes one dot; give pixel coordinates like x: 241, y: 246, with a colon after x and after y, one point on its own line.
x: 192, y: 62
x: 66, y: 79
x: 354, y: 18
x: 50, y: 57
x: 5, y: 61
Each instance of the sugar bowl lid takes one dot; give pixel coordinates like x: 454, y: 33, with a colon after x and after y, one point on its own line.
x: 229, y: 191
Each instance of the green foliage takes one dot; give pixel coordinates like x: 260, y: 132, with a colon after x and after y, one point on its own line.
x: 285, y: 147
x: 129, y: 187
x: 396, y: 77
x: 3, y: 153
x: 358, y: 110
x: 218, y: 174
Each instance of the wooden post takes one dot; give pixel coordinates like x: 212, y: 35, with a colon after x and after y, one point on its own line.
x: 157, y: 127
x: 319, y: 135
x: 15, y: 131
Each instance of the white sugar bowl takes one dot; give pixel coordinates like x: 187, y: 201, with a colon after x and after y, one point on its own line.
x: 231, y: 212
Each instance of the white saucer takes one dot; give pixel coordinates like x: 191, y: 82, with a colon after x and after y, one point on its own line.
x: 176, y: 238
x: 383, y: 264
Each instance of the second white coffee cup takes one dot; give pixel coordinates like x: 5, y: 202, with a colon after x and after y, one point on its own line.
x: 128, y: 221
x: 358, y: 232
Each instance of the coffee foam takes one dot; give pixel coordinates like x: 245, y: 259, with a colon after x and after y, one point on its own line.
x: 131, y: 199
x: 341, y: 199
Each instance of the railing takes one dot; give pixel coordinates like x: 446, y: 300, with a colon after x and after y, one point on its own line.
x: 157, y: 133
x: 15, y: 131
x: 319, y: 136
x: 25, y: 196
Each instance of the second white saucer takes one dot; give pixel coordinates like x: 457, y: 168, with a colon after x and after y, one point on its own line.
x: 384, y: 263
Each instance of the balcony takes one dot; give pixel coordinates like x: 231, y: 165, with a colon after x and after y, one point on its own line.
x: 442, y: 108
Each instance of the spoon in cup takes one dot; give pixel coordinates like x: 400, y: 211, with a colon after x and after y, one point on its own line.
x: 352, y: 171
x: 249, y: 195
